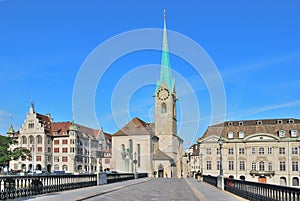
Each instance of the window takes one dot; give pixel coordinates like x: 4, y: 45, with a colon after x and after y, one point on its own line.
x: 208, y: 151
x: 231, y: 165
x: 130, y: 148
x: 65, y: 167
x: 241, y: 123
x: 281, y: 133
x: 107, y: 161
x: 56, y: 141
x: 218, y: 151
x: 282, y: 166
x: 38, y: 158
x: 253, y: 150
x: 270, y: 150
x: 40, y: 149
x: 281, y: 150
x: 71, y: 133
x: 139, y: 155
x: 242, y: 165
x: 295, y: 166
x: 72, y: 141
x: 230, y: 151
x: 208, y: 165
x: 64, y: 159
x: 270, y: 166
x: 49, y: 158
x: 72, y: 149
x: 24, y: 140
x: 31, y: 125
x: 230, y: 123
x: 56, y: 150
x: 241, y: 151
x: 261, y: 166
x: 65, y: 150
x: 253, y: 167
x: 295, y: 181
x: 294, y: 133
x: 230, y: 134
x: 56, y: 167
x: 261, y: 151
x: 163, y: 108
x: 56, y: 158
x: 39, y: 139
x: 294, y: 150
x: 64, y: 141
x: 31, y: 140
x: 291, y: 121
x: 279, y: 121
x: 241, y: 134
x: 259, y: 122
x: 49, y: 141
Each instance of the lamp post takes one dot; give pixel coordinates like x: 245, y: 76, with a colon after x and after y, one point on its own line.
x: 201, y: 166
x: 135, y: 162
x: 220, y: 181
x: 220, y: 141
x: 33, y: 157
x: 100, y: 157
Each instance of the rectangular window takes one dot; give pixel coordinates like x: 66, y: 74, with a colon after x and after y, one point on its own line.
x: 218, y: 151
x: 49, y: 149
x: 253, y: 167
x: 270, y: 166
x: 38, y: 158
x: 231, y: 165
x: 208, y: 165
x: 56, y: 158
x: 72, y: 141
x: 49, y: 158
x: 294, y: 150
x: 31, y: 125
x: 270, y: 150
x: 253, y: 150
x: 65, y: 150
x: 64, y: 141
x: 295, y: 166
x: 241, y: 151
x: 39, y: 149
x: 64, y: 159
x: 107, y: 161
x: 242, y: 165
x: 281, y: 150
x: 282, y: 166
x: 56, y: 141
x: 72, y: 149
x: 56, y: 150
x: 261, y: 166
x: 230, y: 151
x: 208, y: 151
x: 261, y: 151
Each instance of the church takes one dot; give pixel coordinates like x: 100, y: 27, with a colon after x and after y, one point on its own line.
x: 154, y: 148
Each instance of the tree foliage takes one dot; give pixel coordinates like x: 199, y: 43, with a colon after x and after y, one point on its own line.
x: 7, y: 154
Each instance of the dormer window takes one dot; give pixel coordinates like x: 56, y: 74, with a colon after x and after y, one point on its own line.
x: 241, y: 123
x: 230, y: 123
x: 55, y: 133
x: 281, y: 133
x: 279, y: 121
x: 259, y: 122
x: 294, y: 133
x: 291, y: 121
x: 241, y: 134
x: 230, y: 134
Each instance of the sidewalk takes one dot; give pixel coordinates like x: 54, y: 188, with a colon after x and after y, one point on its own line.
x: 207, y: 192
x: 83, y: 193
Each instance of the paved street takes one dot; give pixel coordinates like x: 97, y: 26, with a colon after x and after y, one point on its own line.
x: 142, y: 189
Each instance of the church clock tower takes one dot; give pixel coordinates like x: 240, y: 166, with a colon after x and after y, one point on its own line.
x: 165, y: 102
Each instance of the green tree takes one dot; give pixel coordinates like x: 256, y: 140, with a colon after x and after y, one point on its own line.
x: 6, y: 154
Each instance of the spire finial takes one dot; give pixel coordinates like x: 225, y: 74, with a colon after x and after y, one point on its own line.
x: 10, y: 118
x: 165, y: 14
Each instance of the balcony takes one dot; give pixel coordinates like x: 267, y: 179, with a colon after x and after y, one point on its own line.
x: 262, y: 173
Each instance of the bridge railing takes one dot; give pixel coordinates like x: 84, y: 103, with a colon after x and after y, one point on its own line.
x: 117, y: 177
x: 210, y: 179
x: 20, y: 186
x: 261, y: 192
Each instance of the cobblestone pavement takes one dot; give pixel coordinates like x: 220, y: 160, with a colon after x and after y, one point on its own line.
x: 155, y: 189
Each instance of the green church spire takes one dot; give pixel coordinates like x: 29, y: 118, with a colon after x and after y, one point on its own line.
x: 165, y: 70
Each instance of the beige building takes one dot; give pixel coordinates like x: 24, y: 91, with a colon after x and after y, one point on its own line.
x: 264, y: 151
x: 154, y: 148
x: 61, y: 146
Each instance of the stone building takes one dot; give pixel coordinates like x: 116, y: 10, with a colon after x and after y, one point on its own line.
x: 59, y: 145
x: 154, y: 148
x: 265, y: 151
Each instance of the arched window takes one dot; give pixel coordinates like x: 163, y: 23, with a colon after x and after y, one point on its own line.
x: 39, y: 139
x: 242, y: 178
x: 65, y: 167
x: 130, y: 148
x: 56, y: 167
x: 163, y: 108
x: 24, y: 140
x: 295, y: 181
x: 31, y: 139
x: 282, y: 181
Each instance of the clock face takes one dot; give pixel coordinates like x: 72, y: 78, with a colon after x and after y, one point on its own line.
x: 163, y: 94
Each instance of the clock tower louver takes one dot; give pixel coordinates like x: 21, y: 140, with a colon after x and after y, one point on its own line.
x: 165, y: 108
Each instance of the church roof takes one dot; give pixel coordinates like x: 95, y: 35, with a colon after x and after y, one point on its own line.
x: 166, y: 77
x: 159, y: 155
x: 136, y: 127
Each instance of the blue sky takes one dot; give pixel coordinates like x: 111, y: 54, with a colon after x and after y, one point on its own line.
x: 254, y: 44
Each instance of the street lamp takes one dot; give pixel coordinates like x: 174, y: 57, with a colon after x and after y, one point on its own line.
x: 135, y: 162
x: 100, y: 152
x: 33, y: 156
x: 220, y: 141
